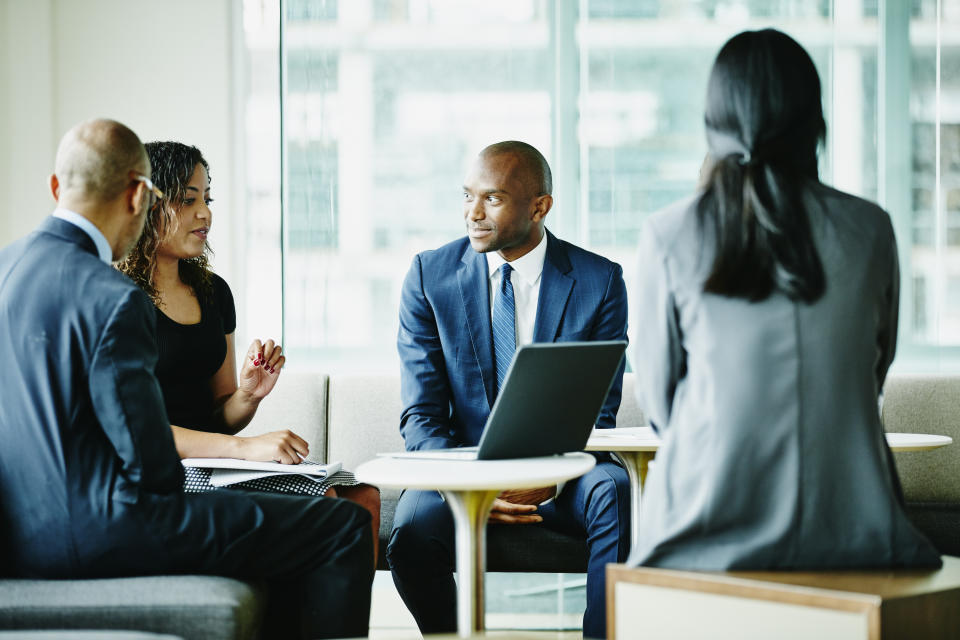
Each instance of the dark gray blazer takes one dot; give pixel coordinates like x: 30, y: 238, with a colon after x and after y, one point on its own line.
x: 773, y: 455
x: 90, y: 481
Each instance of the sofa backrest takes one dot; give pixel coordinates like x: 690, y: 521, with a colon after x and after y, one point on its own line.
x: 926, y: 404
x: 630, y: 414
x: 297, y: 403
x: 351, y: 418
x: 363, y: 417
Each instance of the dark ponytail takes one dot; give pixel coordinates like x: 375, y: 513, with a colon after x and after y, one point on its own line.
x: 764, y: 123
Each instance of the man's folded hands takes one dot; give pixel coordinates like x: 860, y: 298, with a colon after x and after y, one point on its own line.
x: 520, y: 506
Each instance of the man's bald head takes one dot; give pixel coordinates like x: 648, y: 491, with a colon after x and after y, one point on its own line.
x: 95, y: 157
x: 506, y: 196
x: 532, y: 167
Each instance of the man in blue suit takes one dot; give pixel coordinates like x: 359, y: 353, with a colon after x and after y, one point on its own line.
x: 452, y: 299
x: 90, y: 481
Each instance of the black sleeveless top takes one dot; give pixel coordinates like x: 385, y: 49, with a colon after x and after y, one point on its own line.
x: 189, y: 356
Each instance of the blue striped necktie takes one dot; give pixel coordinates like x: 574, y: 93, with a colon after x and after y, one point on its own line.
x: 504, y: 325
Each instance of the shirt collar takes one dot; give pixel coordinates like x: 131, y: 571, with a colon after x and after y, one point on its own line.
x: 103, y: 247
x: 529, y: 266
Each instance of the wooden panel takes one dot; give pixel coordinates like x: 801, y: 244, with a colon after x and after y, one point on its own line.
x: 664, y: 612
x: 728, y: 584
x: 886, y: 584
x: 902, y: 604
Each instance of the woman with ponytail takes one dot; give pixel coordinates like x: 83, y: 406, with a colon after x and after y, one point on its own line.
x: 766, y: 320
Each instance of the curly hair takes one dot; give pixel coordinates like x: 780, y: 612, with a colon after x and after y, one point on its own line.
x: 172, y: 164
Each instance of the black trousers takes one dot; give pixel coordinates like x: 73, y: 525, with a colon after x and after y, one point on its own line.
x: 316, y: 556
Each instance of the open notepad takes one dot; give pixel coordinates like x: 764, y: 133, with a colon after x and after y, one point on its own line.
x: 226, y: 471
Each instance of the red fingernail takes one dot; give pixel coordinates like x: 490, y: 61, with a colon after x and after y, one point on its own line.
x: 256, y: 363
x: 272, y: 370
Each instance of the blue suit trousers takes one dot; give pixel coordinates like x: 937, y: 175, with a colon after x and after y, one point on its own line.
x: 421, y: 550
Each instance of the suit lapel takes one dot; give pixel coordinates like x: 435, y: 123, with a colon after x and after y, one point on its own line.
x: 473, y: 279
x: 555, y: 288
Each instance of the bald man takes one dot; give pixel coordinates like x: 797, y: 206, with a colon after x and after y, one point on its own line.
x: 450, y: 373
x: 90, y: 481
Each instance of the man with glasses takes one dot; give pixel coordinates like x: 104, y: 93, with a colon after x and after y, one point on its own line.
x: 90, y: 480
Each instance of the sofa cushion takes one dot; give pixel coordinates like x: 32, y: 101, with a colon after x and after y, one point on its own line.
x: 509, y: 548
x: 534, y: 549
x: 630, y: 414
x: 297, y: 403
x: 193, y: 607
x: 926, y: 404
x: 363, y: 418
x: 940, y: 522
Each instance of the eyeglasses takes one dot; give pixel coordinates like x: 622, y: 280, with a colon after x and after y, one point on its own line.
x: 155, y: 193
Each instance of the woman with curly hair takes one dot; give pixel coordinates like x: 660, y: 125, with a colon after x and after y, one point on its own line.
x: 207, y: 403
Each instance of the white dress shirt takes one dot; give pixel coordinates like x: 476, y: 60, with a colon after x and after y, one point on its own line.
x: 525, y: 278
x: 99, y: 240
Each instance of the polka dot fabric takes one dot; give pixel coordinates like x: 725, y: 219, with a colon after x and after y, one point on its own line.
x: 198, y: 481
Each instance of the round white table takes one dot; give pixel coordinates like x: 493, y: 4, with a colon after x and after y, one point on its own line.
x: 916, y: 441
x: 469, y: 488
x: 635, y: 447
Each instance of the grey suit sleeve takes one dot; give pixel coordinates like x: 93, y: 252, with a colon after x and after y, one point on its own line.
x: 127, y: 398
x: 889, y: 309
x: 658, y: 355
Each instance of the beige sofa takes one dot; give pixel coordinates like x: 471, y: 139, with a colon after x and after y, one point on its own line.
x: 350, y: 419
x: 930, y: 479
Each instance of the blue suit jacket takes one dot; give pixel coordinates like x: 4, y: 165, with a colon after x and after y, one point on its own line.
x: 446, y: 346
x: 90, y: 481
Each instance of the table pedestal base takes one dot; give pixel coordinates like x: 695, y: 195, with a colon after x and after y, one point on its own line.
x: 636, y: 464
x: 470, y: 512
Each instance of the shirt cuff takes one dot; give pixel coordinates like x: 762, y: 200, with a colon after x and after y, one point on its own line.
x: 560, y: 486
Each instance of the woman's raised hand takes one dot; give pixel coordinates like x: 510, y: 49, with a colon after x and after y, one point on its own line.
x: 278, y: 446
x: 261, y: 368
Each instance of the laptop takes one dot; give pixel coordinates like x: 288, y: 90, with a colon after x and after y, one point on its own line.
x: 548, y: 403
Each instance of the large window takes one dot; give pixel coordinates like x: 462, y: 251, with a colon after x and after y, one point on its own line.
x: 384, y: 102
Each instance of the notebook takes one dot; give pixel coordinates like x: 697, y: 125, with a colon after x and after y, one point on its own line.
x: 227, y: 471
x: 548, y: 404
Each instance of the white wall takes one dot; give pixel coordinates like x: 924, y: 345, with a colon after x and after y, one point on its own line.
x: 5, y: 213
x: 28, y: 127
x: 166, y: 69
